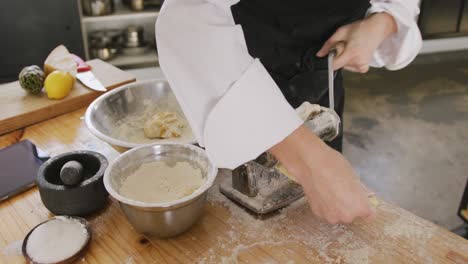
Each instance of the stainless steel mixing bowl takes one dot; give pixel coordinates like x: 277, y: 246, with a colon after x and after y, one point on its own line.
x: 160, y: 219
x: 104, y: 116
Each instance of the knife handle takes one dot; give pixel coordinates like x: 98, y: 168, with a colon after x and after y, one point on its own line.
x: 81, y: 65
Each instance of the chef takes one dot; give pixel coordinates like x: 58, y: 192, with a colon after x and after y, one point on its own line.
x: 240, y: 68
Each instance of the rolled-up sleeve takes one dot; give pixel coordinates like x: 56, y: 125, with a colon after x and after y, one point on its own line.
x: 401, y: 48
x: 234, y: 108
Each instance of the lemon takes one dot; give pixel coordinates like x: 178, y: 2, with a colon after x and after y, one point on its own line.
x: 60, y: 59
x: 58, y: 84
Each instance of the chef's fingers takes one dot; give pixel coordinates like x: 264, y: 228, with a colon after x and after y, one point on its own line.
x: 338, y: 36
x: 364, y: 69
x: 350, y: 68
x: 373, y: 202
x: 358, y: 69
x: 339, y: 47
x: 368, y: 191
x: 342, y: 60
x: 371, y: 217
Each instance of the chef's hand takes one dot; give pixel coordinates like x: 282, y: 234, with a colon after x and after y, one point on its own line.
x: 333, y: 190
x: 360, y: 39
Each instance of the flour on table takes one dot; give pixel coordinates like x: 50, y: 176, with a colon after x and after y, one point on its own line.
x: 329, y: 244
x: 129, y: 260
x: 403, y: 228
x: 158, y: 182
x: 13, y: 249
x: 358, y: 256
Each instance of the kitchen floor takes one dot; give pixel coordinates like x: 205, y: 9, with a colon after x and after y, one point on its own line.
x: 406, y: 134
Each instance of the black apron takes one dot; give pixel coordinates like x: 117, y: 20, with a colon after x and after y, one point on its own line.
x: 286, y: 34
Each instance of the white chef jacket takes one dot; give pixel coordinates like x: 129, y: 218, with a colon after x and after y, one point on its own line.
x: 234, y: 107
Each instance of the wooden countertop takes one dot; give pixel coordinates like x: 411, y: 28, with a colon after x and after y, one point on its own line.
x: 225, y: 233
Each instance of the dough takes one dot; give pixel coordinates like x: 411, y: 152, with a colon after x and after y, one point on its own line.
x: 163, y: 125
x: 157, y: 182
x: 307, y: 110
x: 374, y: 201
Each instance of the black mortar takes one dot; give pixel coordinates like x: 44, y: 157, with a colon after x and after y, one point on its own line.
x: 82, y: 199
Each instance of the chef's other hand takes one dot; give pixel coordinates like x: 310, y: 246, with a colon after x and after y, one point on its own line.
x: 360, y: 39
x: 333, y: 190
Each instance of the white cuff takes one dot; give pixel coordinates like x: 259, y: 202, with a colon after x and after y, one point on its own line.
x: 401, y: 48
x: 249, y: 119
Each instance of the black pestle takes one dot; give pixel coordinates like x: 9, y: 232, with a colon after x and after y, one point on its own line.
x: 71, y: 173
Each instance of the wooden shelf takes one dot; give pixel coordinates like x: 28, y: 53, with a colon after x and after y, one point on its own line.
x: 122, y: 13
x: 123, y: 17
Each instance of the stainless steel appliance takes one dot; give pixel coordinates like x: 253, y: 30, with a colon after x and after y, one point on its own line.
x: 261, y: 185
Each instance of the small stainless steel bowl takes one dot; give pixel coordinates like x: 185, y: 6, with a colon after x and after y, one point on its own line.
x: 161, y: 219
x: 104, y: 54
x: 97, y: 7
x: 104, y: 114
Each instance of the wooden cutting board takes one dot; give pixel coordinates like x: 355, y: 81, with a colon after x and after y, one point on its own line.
x: 20, y: 109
